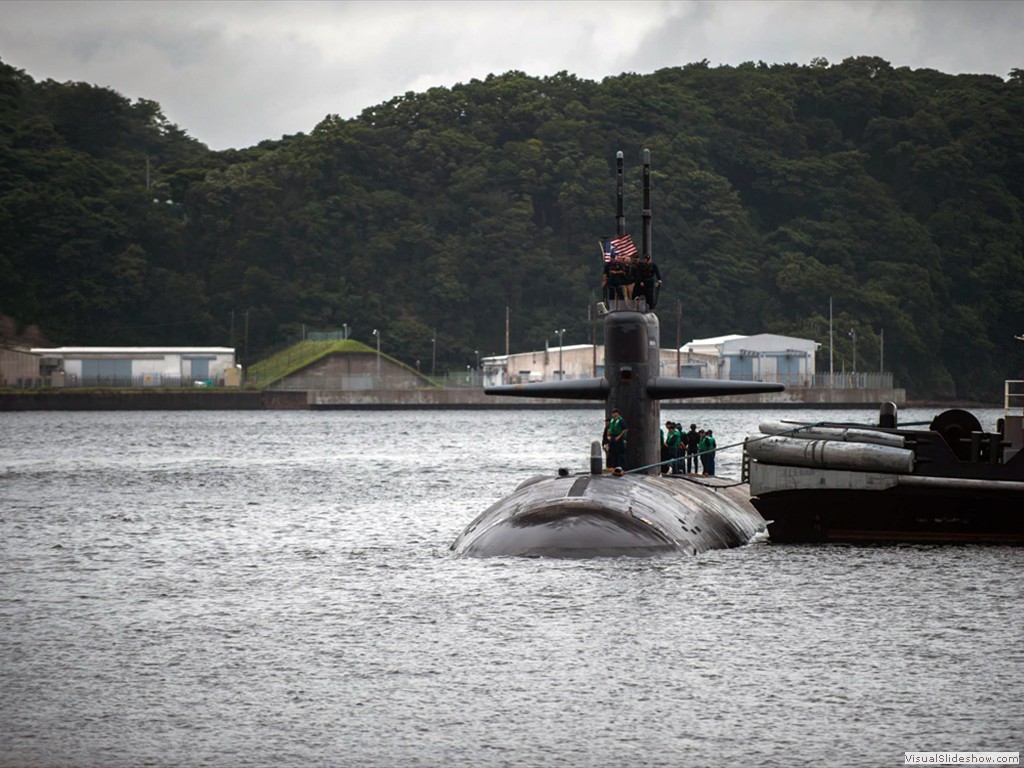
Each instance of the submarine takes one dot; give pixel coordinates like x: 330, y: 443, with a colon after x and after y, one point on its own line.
x: 613, y: 512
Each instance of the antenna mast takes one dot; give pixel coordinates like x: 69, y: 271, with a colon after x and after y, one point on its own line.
x: 647, y: 203
x: 620, y: 216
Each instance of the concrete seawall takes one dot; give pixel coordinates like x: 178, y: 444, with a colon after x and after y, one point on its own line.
x: 475, y: 398
x: 236, y: 399
x: 148, y: 400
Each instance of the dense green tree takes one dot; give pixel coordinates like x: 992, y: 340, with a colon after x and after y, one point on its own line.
x: 896, y: 193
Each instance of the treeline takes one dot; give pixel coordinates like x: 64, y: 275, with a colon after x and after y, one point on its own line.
x: 897, y: 193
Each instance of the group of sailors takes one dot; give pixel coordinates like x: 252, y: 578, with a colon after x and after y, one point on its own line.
x: 682, y: 452
x: 630, y: 277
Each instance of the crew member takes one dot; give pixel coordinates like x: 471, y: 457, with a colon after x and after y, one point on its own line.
x: 665, y: 455
x: 617, y: 271
x: 692, y: 441
x: 617, y: 430
x: 629, y: 277
x: 674, y: 436
x: 707, y: 451
x: 709, y: 460
x: 649, y: 278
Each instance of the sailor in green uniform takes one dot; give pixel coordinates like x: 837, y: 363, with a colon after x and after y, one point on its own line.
x: 666, y: 453
x: 707, y: 448
x: 674, y: 436
x: 709, y: 461
x: 617, y: 440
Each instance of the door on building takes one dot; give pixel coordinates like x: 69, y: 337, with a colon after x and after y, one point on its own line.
x: 200, y: 369
x: 107, y: 373
x: 691, y: 371
x: 741, y: 368
x: 789, y: 369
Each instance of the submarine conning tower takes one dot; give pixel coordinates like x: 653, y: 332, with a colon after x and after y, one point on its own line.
x: 632, y: 382
x: 631, y: 343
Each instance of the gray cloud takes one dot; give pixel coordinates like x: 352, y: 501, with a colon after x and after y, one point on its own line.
x: 235, y: 73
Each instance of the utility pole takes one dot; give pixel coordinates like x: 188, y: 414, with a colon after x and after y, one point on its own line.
x: 1007, y: 397
x: 679, y: 340
x: 561, y: 371
x: 831, y: 355
x: 377, y: 334
x: 592, y: 317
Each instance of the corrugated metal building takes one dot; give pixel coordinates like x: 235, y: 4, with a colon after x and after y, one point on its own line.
x: 762, y: 357
x: 139, y: 366
x: 19, y: 368
x: 573, y: 361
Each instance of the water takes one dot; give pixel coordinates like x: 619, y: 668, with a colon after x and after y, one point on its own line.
x: 275, y: 588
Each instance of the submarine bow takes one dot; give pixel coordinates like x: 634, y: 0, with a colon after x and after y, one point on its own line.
x: 587, y: 516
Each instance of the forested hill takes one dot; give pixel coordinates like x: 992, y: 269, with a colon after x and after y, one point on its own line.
x: 896, y: 192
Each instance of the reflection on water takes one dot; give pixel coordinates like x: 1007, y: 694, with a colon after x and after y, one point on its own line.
x: 275, y: 589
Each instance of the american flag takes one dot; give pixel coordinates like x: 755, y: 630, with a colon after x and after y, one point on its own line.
x: 618, y: 247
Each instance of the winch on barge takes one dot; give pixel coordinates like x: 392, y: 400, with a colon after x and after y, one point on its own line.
x: 635, y: 513
x: 950, y: 483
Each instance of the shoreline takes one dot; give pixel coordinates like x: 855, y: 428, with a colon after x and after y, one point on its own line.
x: 438, y: 399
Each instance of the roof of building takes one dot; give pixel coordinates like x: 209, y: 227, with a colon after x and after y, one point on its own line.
x: 717, y: 343
x: 64, y: 351
x: 713, y: 340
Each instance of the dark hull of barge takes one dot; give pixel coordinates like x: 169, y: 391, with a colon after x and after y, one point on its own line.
x: 897, y: 515
x: 952, y: 483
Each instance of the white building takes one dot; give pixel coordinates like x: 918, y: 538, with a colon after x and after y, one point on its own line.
x: 763, y: 357
x: 571, y: 362
x: 140, y: 366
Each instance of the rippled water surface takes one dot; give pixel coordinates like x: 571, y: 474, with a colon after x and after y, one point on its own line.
x: 275, y: 588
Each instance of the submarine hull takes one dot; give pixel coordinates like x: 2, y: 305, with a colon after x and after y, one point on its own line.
x: 605, y: 515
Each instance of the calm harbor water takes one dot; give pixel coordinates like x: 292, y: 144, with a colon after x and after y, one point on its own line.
x: 275, y: 588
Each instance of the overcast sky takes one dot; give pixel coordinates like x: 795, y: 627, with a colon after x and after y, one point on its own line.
x: 234, y: 73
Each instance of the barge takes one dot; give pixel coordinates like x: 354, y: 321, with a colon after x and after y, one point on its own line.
x: 950, y: 483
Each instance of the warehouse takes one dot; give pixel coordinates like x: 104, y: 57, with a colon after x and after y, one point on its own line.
x: 762, y: 357
x: 138, y: 366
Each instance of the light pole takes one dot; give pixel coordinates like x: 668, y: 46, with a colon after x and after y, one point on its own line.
x: 853, y: 335
x: 831, y: 349
x: 377, y: 334
x: 561, y: 372
x: 433, y: 354
x: 477, y: 352
x: 881, y: 350
x: 1019, y: 338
